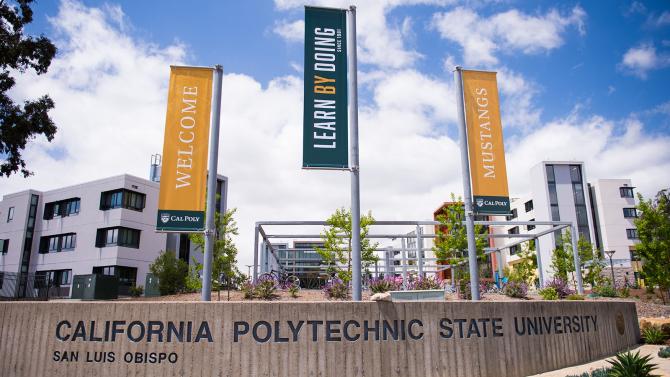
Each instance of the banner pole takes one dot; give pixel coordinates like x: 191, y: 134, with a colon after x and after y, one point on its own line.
x: 355, y: 184
x: 467, y: 190
x: 210, y: 226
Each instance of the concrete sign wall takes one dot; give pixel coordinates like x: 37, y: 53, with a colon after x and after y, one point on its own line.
x: 305, y: 339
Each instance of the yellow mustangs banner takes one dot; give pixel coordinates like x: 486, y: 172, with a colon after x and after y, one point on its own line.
x: 181, y: 203
x: 486, y: 151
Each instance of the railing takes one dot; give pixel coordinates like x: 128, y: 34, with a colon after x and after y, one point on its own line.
x: 22, y: 286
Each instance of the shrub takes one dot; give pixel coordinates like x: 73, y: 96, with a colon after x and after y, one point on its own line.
x: 293, y: 290
x: 653, y: 335
x: 516, y: 289
x: 600, y: 372
x: 548, y: 293
x: 649, y: 290
x: 248, y: 290
x: 424, y: 283
x: 384, y: 285
x: 561, y: 287
x: 664, y: 352
x: 631, y: 365
x: 266, y: 288
x: 624, y: 292
x: 606, y: 291
x: 170, y: 271
x: 575, y: 297
x: 464, y: 291
x: 336, y: 289
x: 136, y: 290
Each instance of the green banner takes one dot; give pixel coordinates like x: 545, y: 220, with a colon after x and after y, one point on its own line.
x: 175, y: 220
x: 491, y: 205
x: 325, y: 136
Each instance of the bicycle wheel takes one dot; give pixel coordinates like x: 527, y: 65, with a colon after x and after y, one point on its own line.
x: 293, y: 281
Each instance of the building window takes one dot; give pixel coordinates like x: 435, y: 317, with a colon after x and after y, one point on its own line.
x: 530, y: 227
x: 126, y: 275
x: 118, y: 236
x: 632, y: 234
x: 551, y: 177
x: 56, y: 277
x: 61, y: 208
x: 57, y: 243
x: 633, y: 254
x: 10, y: 214
x: 4, y: 246
x: 529, y: 205
x: 629, y: 212
x: 122, y: 198
x: 576, y: 173
x: 513, y: 215
x: 513, y: 230
x: 626, y: 192
x: 514, y: 250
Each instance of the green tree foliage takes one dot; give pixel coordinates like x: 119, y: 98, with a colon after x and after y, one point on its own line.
x: 336, y: 250
x: 562, y: 260
x: 224, y: 257
x: 451, y: 241
x: 171, y: 272
x: 525, y: 269
x: 653, y: 228
x: 18, y: 53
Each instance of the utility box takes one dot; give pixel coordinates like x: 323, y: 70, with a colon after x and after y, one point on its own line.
x: 95, y: 287
x: 151, y: 288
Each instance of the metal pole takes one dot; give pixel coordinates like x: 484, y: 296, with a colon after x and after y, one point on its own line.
x: 210, y: 227
x: 500, y: 266
x: 256, y: 231
x: 404, y: 264
x: 575, y: 256
x: 612, y: 269
x: 419, y: 249
x: 538, y: 257
x: 355, y: 184
x: 467, y: 190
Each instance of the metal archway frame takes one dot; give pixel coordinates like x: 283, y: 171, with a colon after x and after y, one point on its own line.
x: 262, y: 235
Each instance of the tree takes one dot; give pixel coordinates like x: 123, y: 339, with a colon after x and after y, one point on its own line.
x: 653, y: 229
x: 18, y: 53
x: 170, y: 271
x: 451, y: 241
x: 563, y: 263
x: 224, y: 256
x: 336, y: 250
x: 525, y: 268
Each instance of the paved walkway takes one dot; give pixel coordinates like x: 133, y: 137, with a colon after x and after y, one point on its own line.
x: 663, y: 364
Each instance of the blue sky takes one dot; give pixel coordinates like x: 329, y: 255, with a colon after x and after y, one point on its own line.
x: 584, y: 71
x: 578, y: 81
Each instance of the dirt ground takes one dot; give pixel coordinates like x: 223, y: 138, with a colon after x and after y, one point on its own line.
x: 646, y: 309
x: 647, y: 349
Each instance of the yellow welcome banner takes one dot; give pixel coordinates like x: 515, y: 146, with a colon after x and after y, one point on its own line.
x: 486, y: 150
x: 181, y: 203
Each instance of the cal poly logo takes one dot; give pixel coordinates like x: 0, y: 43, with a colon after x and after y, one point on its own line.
x: 165, y: 217
x: 480, y: 202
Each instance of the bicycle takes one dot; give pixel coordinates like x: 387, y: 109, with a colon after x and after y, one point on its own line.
x: 282, y: 278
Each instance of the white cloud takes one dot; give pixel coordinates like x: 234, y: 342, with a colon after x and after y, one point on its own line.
x: 482, y: 38
x: 379, y: 42
x: 291, y: 31
x: 641, y: 59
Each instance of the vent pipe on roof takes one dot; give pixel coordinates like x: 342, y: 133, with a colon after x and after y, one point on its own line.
x: 155, y: 171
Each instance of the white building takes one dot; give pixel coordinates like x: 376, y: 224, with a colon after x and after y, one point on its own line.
x: 615, y: 229
x: 603, y: 211
x: 105, y: 227
x: 558, y: 193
